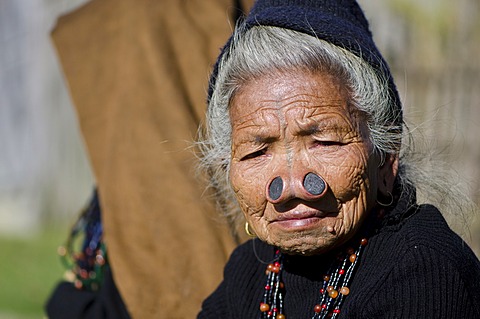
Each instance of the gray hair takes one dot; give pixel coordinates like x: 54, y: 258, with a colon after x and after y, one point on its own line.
x: 265, y: 50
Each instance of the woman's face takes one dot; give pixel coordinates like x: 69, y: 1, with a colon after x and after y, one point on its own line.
x: 287, y: 125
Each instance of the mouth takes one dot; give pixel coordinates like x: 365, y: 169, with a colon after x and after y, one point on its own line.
x: 296, y: 220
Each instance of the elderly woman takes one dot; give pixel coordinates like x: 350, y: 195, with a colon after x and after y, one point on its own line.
x: 304, y: 136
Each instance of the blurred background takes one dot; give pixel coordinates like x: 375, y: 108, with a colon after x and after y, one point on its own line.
x: 433, y: 47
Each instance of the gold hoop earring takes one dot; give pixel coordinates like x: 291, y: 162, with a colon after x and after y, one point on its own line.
x: 248, y: 231
x: 386, y: 205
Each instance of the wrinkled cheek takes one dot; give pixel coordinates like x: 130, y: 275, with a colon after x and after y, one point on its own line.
x: 354, y: 210
x: 249, y: 192
x: 352, y: 197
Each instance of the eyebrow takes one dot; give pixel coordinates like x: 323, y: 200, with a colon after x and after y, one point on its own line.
x: 315, y: 127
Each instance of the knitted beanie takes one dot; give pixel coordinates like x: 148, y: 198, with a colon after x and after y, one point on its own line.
x: 339, y: 22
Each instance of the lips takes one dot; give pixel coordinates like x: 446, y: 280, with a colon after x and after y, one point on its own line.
x: 299, y: 220
x: 297, y: 215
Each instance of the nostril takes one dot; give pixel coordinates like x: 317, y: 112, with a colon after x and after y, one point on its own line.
x: 276, y: 188
x: 314, y: 184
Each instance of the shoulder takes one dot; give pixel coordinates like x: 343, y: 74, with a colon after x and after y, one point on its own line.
x: 250, y: 255
x: 426, y: 241
x: 238, y: 295
x: 427, y: 228
x: 420, y: 268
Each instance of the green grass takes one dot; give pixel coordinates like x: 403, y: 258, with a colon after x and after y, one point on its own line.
x: 29, y: 270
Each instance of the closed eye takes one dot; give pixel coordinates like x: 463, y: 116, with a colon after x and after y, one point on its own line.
x: 254, y: 154
x: 329, y: 143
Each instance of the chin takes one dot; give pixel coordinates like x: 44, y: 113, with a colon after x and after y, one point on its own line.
x: 306, y: 245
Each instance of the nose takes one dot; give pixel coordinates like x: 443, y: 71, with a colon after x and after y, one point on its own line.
x: 311, y: 187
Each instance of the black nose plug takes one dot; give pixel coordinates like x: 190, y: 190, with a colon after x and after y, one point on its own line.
x: 276, y: 188
x: 314, y: 184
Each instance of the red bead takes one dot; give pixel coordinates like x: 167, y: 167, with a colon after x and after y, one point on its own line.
x: 317, y: 308
x: 275, y: 269
x: 275, y: 309
x: 336, y: 311
x: 269, y: 313
x: 276, y: 264
x: 322, y: 291
x: 341, y: 271
x: 264, y: 307
x: 324, y: 306
x: 364, y: 242
x: 83, y: 274
x: 78, y: 284
x: 267, y: 287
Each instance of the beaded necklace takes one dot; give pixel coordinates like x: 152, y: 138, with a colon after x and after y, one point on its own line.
x: 332, y: 294
x: 86, y: 266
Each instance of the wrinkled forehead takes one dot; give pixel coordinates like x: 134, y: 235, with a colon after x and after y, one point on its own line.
x: 292, y: 99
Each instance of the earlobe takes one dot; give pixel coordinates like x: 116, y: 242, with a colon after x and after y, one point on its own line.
x: 387, y: 173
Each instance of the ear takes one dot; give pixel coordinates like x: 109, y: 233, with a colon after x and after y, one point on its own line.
x: 387, y: 173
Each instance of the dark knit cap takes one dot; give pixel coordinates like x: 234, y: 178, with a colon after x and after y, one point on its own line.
x: 340, y: 22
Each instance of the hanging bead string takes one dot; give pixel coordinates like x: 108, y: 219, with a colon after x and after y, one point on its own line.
x: 332, y: 294
x: 86, y: 267
x: 272, y: 305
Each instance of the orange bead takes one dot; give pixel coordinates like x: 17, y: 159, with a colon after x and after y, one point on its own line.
x: 317, y: 308
x: 264, y: 307
x: 100, y: 260
x: 280, y: 316
x: 326, y: 278
x: 344, y: 291
x: 364, y: 242
x: 352, y: 258
x: 78, y: 284
x: 333, y: 294
x: 330, y: 288
x: 275, y: 269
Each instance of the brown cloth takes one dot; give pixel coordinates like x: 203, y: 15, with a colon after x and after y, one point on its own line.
x: 138, y: 72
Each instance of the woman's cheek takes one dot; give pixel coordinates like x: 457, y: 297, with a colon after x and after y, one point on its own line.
x: 348, y: 177
x: 247, y: 183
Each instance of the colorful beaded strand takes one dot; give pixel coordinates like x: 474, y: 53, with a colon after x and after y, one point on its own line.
x: 348, y: 276
x: 333, y: 292
x: 86, y: 267
x: 272, y: 305
x: 334, y: 289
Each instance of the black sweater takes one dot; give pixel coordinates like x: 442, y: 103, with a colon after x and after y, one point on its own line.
x: 415, y: 266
